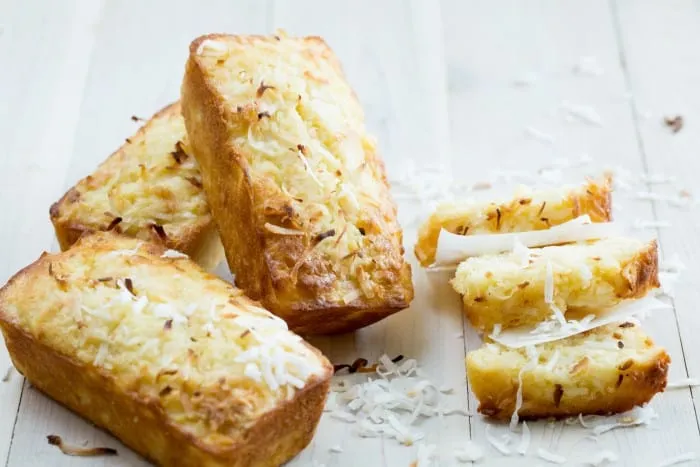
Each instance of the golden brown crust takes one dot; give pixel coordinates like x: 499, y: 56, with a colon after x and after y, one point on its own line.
x: 141, y: 420
x: 283, y: 271
x: 531, y: 211
x: 71, y: 219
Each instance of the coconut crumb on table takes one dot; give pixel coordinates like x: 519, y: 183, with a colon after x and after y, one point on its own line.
x: 675, y: 124
x: 55, y: 440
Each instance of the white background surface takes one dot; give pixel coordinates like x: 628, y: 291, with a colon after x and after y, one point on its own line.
x: 437, y: 83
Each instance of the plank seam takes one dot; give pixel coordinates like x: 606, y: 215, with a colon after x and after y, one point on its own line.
x: 14, y: 425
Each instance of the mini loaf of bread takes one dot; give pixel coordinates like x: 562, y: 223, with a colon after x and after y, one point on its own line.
x: 173, y: 361
x: 511, y: 289
x: 605, y: 370
x: 294, y: 181
x: 151, y: 189
x: 528, y: 210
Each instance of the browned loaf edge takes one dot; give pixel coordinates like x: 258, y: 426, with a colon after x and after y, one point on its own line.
x: 256, y: 256
x: 140, y: 422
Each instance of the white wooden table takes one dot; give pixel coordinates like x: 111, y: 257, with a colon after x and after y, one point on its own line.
x: 452, y: 85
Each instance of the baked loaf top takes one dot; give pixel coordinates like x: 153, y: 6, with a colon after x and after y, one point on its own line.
x: 528, y: 210
x: 323, y: 221
x: 164, y: 330
x: 150, y: 188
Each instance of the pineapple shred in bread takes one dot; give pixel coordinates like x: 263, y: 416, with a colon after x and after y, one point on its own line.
x: 210, y: 363
x: 279, y: 132
x: 606, y: 370
x: 585, y: 278
x: 151, y: 189
x: 529, y: 210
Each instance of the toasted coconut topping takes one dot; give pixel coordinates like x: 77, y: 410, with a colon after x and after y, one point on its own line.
x: 276, y: 229
x: 116, y: 221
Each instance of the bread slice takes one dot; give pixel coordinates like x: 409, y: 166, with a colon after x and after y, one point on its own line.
x: 173, y: 361
x: 151, y: 189
x: 528, y: 210
x: 605, y: 370
x: 510, y: 290
x: 294, y: 181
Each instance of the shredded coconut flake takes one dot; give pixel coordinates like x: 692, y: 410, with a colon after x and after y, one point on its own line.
x: 453, y: 248
x: 471, y: 452
x: 582, y: 113
x: 683, y: 383
x: 524, y: 444
x: 540, y: 136
x: 173, y: 254
x: 276, y: 229
x: 549, y: 284
x: 344, y: 416
x: 636, y: 417
x: 336, y: 448
x: 680, y: 459
x: 497, y: 443
x: 602, y: 458
x: 523, y: 252
x: 550, y: 456
x: 211, y: 47
x: 391, y: 404
x: 532, y: 362
x: 551, y: 363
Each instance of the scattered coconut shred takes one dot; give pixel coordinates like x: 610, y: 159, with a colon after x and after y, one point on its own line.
x: 550, y: 456
x: 602, y: 458
x: 471, y: 452
x: 687, y: 457
x: 683, y: 383
x: 391, y: 404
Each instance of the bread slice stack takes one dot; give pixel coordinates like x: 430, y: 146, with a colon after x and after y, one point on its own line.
x: 554, y: 316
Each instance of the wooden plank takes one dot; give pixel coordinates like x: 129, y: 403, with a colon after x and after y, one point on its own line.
x: 492, y: 45
x: 660, y: 46
x: 46, y: 52
x: 135, y: 68
x: 392, y: 53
